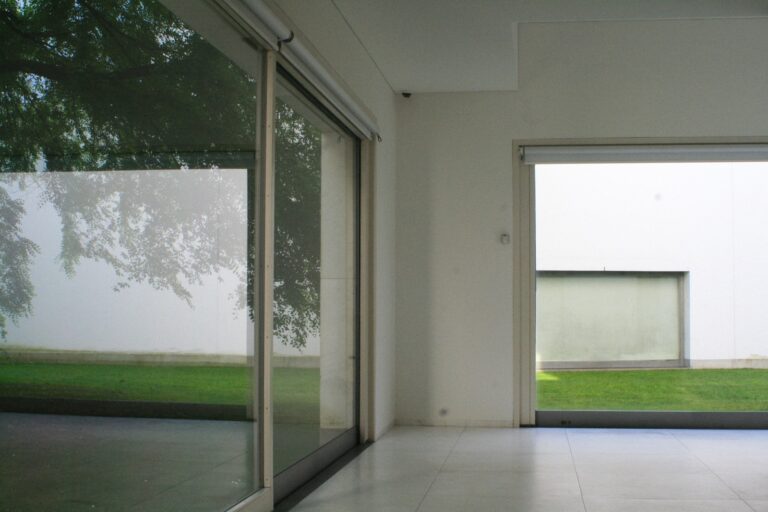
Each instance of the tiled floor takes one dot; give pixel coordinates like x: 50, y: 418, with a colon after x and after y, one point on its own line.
x: 62, y: 463
x: 89, y: 464
x: 558, y: 470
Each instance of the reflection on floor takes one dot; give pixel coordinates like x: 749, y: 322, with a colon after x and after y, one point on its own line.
x: 83, y: 463
x: 558, y: 470
x: 294, y: 441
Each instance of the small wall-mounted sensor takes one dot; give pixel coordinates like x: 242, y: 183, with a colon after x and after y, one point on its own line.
x: 504, y: 239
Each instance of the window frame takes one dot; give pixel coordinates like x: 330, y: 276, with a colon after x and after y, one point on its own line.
x: 523, y: 337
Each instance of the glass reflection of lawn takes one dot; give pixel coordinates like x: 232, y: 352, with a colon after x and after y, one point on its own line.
x: 296, y: 390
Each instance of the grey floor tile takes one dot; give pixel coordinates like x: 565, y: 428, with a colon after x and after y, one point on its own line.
x: 471, y: 503
x: 71, y: 463
x: 506, y: 484
x: 62, y: 506
x: 182, y: 500
x: 348, y: 483
x: 539, y: 441
x: 724, y: 445
x: 388, y: 461
x: 639, y: 463
x: 74, y: 465
x: 655, y: 486
x: 729, y: 462
x: 506, y: 461
x: 651, y: 505
x: 350, y: 506
x: 624, y: 441
x: 748, y: 485
x: 420, y: 439
x: 365, y: 499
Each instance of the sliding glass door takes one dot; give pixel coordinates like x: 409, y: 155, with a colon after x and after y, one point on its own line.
x: 179, y: 263
x: 315, y: 340
x: 649, y: 285
x: 129, y: 376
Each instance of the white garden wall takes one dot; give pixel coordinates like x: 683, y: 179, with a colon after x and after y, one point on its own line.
x: 706, y: 220
x: 86, y: 312
x: 608, y: 319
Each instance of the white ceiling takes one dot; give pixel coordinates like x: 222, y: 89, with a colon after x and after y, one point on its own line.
x: 471, y: 45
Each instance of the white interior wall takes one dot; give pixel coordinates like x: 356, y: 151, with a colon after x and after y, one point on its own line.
x: 322, y: 24
x: 697, y: 78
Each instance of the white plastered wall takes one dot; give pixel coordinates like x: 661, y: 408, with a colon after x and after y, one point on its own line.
x: 322, y: 24
x: 704, y: 219
x: 696, y: 78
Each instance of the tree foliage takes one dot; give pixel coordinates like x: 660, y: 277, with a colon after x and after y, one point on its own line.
x: 90, y: 85
x: 16, y: 289
x: 297, y: 226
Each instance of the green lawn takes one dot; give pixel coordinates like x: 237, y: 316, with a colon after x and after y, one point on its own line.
x: 662, y: 390
x: 296, y: 390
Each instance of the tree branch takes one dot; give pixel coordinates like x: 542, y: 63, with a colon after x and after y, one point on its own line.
x: 63, y: 72
x: 110, y: 26
x: 35, y: 38
x: 51, y: 71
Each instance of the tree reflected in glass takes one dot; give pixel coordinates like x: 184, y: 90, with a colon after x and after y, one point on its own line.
x: 124, y: 86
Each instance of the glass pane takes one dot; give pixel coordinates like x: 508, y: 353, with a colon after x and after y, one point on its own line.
x: 651, y: 285
x: 315, y: 281
x: 126, y: 368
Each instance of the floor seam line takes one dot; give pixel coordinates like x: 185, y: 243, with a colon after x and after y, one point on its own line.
x: 672, y: 433
x: 184, y: 481
x: 575, y: 469
x: 439, y: 470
